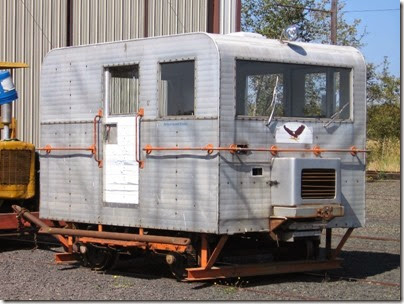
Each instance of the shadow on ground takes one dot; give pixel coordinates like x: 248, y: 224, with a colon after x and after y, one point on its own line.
x: 356, y: 265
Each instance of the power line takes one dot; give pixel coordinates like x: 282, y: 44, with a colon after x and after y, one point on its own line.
x: 373, y: 10
x: 33, y: 18
x: 302, y: 7
x: 178, y: 19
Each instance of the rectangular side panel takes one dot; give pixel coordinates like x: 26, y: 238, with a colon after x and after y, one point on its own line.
x: 69, y: 180
x: 177, y: 191
x: 179, y: 188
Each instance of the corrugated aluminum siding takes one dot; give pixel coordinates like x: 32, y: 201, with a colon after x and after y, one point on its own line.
x: 30, y: 28
x: 228, y: 16
x: 177, y: 16
x: 94, y: 21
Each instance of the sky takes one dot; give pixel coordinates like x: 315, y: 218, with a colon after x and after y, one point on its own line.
x: 383, y: 27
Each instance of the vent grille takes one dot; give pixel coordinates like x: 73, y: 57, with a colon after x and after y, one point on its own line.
x: 318, y: 184
x: 15, y: 167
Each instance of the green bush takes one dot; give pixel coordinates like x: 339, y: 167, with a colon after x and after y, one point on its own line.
x: 383, y: 121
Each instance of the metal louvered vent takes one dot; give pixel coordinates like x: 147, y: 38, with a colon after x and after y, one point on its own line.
x: 15, y: 167
x: 318, y: 184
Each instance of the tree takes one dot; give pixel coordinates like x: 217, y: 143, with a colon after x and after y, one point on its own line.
x: 383, y: 98
x: 270, y: 17
x: 382, y: 86
x: 384, y: 121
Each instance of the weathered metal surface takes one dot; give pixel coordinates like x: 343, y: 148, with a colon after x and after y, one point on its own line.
x: 171, y: 204
x: 245, y: 202
x: 192, y: 190
x: 326, y: 212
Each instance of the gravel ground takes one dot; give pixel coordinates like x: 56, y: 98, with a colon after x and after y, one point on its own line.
x: 28, y: 274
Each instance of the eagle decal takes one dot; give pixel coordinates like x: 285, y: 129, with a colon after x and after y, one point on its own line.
x: 295, y: 134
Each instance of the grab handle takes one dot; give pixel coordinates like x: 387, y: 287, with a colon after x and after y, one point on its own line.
x: 139, y: 115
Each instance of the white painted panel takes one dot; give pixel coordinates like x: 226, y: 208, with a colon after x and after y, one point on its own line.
x: 121, y: 171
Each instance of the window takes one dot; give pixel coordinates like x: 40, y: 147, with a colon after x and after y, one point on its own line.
x: 299, y: 90
x: 123, y: 89
x: 177, y: 88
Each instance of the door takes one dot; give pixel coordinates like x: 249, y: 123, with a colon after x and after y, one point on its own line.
x: 121, y: 171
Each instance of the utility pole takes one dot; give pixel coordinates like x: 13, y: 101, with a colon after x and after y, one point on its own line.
x: 334, y: 9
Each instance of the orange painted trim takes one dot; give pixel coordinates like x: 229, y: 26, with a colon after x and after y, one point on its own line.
x: 204, y: 251
x: 274, y: 150
x: 139, y: 115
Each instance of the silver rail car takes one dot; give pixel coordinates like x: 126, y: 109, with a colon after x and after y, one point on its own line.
x: 203, y: 147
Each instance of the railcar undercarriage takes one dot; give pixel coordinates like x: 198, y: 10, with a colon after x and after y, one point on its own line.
x: 197, y: 256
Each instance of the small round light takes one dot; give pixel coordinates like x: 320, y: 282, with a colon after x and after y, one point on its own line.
x: 292, y: 32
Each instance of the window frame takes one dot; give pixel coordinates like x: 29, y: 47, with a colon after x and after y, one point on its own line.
x: 160, y: 105
x: 107, y: 87
x: 349, y: 120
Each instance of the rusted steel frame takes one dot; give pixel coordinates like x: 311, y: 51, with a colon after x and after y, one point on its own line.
x: 65, y: 257
x: 36, y: 221
x: 117, y: 236
x: 139, y: 115
x: 142, y: 245
x: 234, y: 149
x: 10, y: 221
x: 328, y: 236
x: 198, y: 274
x: 87, y: 240
x: 275, y: 222
x: 204, y: 250
x: 216, y: 251
x: 93, y: 148
x: 341, y: 244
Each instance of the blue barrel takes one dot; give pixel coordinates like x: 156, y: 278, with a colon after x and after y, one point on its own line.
x: 7, y: 89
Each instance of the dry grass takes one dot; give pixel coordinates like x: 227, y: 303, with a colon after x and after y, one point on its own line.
x: 384, y: 155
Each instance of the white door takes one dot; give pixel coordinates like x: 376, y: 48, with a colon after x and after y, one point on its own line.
x: 121, y: 171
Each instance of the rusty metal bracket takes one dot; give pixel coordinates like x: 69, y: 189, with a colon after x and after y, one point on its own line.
x: 341, y: 244
x: 325, y: 213
x: 36, y: 221
x: 65, y: 257
x: 216, y: 251
x: 276, y: 221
